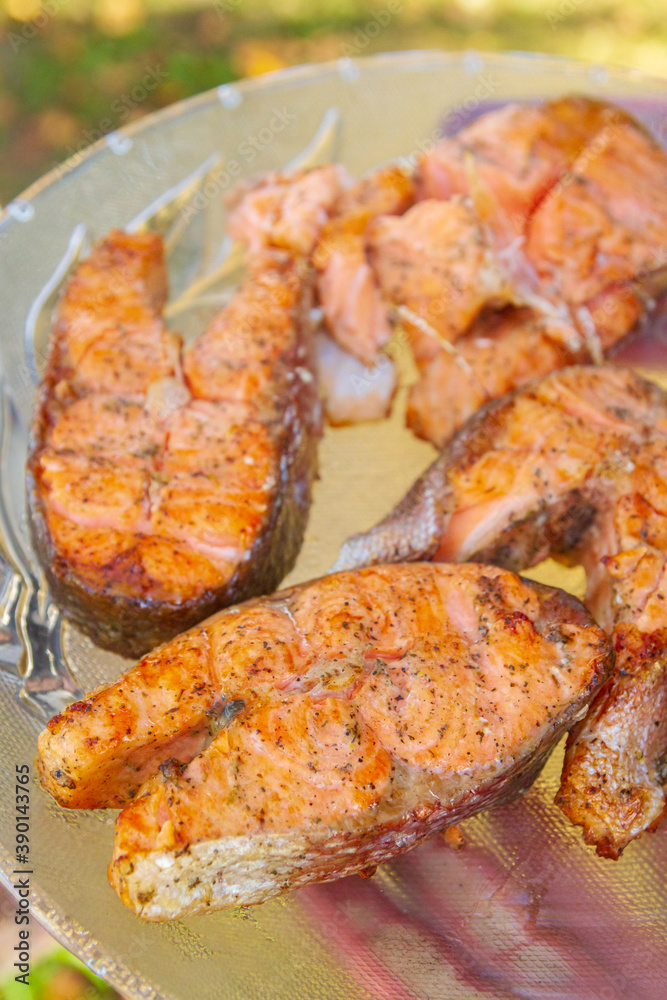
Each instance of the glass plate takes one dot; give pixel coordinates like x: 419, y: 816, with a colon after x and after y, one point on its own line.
x: 526, y: 910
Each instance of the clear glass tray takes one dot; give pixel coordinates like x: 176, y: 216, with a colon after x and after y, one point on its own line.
x: 526, y: 910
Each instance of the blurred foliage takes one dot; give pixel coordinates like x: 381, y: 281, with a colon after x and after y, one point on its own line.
x: 59, y: 976
x: 71, y: 70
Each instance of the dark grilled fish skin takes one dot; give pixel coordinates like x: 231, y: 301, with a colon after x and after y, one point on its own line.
x: 614, y: 768
x: 574, y: 464
x: 163, y: 484
x: 353, y: 716
x: 470, y: 503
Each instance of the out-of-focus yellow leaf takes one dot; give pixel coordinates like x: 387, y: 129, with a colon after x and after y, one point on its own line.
x: 478, y: 6
x: 118, y: 17
x: 650, y: 55
x: 256, y: 59
x: 23, y: 10
x: 57, y: 127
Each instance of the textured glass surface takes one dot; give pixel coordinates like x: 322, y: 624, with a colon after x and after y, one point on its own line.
x: 526, y: 910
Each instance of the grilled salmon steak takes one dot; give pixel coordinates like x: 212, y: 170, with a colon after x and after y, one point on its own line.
x: 529, y: 241
x: 574, y: 464
x: 165, y: 484
x: 352, y: 717
x: 519, y: 151
x: 560, y: 209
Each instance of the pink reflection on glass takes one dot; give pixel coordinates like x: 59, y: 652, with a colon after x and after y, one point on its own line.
x: 523, y: 911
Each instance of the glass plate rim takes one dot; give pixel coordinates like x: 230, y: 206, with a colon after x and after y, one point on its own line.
x: 524, y: 60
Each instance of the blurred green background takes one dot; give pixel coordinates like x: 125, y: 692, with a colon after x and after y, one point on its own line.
x: 71, y: 70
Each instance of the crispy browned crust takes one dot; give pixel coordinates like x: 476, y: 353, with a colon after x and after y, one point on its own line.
x: 614, y: 777
x: 251, y: 868
x: 278, y: 864
x: 131, y: 626
x: 63, y: 781
x: 613, y: 782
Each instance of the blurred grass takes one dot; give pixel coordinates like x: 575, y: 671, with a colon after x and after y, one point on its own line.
x: 71, y: 70
x: 59, y: 976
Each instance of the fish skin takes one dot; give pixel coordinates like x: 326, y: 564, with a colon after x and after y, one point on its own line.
x: 572, y: 465
x: 421, y: 523
x: 342, y: 749
x: 613, y: 783
x: 156, y: 499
